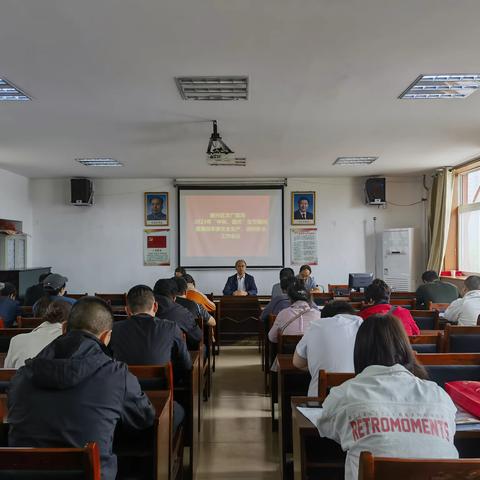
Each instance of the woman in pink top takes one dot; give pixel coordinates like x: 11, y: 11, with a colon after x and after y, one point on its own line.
x: 296, y: 318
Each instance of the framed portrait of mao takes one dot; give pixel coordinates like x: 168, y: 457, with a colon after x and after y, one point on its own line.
x: 156, y: 208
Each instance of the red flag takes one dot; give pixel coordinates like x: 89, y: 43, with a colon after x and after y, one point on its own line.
x: 154, y: 241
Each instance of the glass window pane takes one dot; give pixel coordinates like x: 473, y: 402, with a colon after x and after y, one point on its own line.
x: 469, y: 258
x: 473, y: 186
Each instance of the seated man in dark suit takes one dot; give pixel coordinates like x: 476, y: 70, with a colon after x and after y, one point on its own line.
x: 144, y: 339
x: 242, y: 283
x: 165, y: 291
x: 73, y: 392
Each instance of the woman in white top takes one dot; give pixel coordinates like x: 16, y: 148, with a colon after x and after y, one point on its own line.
x: 296, y: 318
x: 29, y: 345
x: 389, y: 408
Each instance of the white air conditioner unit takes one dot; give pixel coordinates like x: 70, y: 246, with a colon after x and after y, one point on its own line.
x: 399, y: 259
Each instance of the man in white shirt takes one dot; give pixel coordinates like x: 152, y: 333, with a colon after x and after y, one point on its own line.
x: 29, y: 345
x: 465, y: 311
x: 328, y: 343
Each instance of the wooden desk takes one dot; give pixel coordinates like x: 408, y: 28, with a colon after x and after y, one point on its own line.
x: 147, y: 449
x: 237, y: 319
x: 188, y: 395
x: 315, y: 457
x: 291, y: 382
x: 148, y: 452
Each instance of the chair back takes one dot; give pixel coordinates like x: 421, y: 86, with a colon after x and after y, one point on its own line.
x: 379, y: 468
x: 327, y: 380
x: 29, y: 322
x: 426, y: 319
x: 357, y: 305
x: 287, y: 343
x: 2, y: 323
x: 449, y: 367
x: 6, y: 334
x: 27, y: 311
x: 76, y: 296
x: 154, y: 377
x: 6, y: 374
x: 50, y: 463
x: 114, y: 299
x: 357, y: 296
x: 407, y: 295
x: 321, y: 298
x: 449, y: 358
x: 461, y: 339
x: 431, y: 343
x: 339, y: 289
x: 408, y: 303
x: 439, y: 307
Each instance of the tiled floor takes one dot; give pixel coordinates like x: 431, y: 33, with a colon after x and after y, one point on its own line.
x: 236, y: 439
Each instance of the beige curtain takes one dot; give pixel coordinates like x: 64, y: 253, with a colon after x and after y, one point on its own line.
x: 440, y: 208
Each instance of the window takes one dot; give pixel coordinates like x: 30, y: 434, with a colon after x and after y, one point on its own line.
x: 469, y: 222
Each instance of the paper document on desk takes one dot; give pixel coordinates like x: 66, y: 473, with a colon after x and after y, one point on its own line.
x: 313, y: 414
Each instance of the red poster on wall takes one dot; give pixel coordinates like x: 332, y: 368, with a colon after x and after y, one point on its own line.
x: 156, y: 247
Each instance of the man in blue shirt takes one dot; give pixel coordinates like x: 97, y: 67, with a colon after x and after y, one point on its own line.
x: 9, y: 307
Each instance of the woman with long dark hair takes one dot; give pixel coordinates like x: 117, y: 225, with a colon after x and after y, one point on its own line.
x: 389, y: 408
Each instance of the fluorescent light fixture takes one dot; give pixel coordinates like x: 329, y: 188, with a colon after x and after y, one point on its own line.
x: 99, y: 162
x: 229, y: 182
x: 213, y: 88
x: 10, y: 93
x: 354, y: 160
x: 442, y: 86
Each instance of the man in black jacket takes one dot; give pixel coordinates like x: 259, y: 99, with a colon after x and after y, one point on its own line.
x: 73, y: 392
x: 165, y: 290
x: 197, y: 310
x: 146, y: 340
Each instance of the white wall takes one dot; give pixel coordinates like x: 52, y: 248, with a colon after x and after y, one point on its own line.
x: 100, y: 248
x: 15, y: 204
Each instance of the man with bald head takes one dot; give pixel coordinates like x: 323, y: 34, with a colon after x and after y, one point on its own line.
x: 73, y: 392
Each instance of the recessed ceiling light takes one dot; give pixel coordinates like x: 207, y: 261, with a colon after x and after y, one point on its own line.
x: 213, y: 88
x: 442, y: 86
x: 99, y: 162
x: 354, y: 160
x: 10, y: 93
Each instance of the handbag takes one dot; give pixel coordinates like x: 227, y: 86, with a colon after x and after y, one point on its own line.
x: 466, y: 394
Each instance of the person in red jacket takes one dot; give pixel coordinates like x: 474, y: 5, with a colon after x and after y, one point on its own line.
x: 377, y: 296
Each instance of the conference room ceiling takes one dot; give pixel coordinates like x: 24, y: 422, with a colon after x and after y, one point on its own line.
x: 324, y: 80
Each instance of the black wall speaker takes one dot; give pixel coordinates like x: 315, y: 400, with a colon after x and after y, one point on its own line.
x: 375, y: 191
x: 81, y: 191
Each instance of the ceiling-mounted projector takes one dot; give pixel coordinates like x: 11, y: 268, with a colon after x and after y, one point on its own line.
x: 219, y: 153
